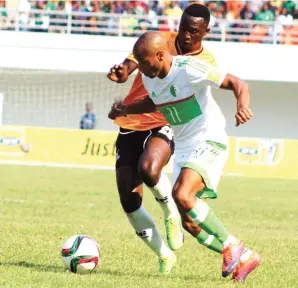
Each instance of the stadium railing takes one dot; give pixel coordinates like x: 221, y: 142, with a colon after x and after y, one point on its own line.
x: 134, y: 25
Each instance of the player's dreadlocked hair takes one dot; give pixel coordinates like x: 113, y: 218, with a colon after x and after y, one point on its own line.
x: 198, y: 10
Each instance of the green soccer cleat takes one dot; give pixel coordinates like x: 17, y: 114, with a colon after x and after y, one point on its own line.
x: 174, y: 232
x: 166, y: 264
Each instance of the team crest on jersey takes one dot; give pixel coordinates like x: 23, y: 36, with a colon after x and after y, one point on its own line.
x: 174, y: 91
x: 153, y: 94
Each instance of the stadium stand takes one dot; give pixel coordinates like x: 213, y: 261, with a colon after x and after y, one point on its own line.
x: 239, y: 21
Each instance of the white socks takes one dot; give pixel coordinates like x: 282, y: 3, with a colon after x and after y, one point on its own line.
x: 162, y: 192
x: 145, y: 228
x: 231, y: 240
x: 199, y: 211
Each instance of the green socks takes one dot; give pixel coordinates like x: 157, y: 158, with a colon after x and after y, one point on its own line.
x: 209, y: 241
x: 202, y: 215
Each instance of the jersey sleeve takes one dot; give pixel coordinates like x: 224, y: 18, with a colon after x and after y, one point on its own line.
x: 202, y: 74
x: 132, y: 58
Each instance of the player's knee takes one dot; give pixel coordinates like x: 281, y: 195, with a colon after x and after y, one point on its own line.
x: 149, y: 173
x: 181, y: 198
x: 131, y: 202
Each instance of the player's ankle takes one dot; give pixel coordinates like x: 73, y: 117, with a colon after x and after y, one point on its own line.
x: 231, y: 240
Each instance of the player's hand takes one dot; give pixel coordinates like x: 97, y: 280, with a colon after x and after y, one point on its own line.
x: 243, y: 115
x: 117, y: 110
x: 118, y: 73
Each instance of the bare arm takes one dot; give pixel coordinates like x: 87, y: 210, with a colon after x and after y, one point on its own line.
x: 131, y: 65
x: 144, y: 106
x: 119, y: 73
x: 241, y: 92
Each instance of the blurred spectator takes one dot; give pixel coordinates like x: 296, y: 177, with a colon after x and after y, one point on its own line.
x: 154, y: 10
x: 76, y: 7
x: 105, y: 6
x: 290, y: 7
x: 59, y: 21
x: 50, y: 5
x: 247, y: 12
x: 265, y: 14
x: 256, y: 5
x: 184, y: 3
x: 284, y: 18
x: 119, y: 7
x: 24, y: 19
x: 283, y: 26
x: 68, y: 6
x: 2, y: 5
x: 139, y: 16
x: 128, y: 24
x: 88, y: 120
x: 174, y: 12
x: 3, y: 15
x: 275, y: 6
x: 234, y: 8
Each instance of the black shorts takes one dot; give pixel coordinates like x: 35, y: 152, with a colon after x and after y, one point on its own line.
x: 130, y: 144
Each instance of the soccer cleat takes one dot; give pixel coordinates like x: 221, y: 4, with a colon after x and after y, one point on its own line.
x: 174, y: 232
x: 246, y: 267
x: 231, y: 257
x: 166, y: 264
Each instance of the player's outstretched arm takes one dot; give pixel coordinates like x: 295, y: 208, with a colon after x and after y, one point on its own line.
x: 201, y: 73
x: 241, y: 92
x: 144, y: 106
x: 119, y: 73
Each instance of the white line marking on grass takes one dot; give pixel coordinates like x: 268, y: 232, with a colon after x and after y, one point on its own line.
x: 43, y: 202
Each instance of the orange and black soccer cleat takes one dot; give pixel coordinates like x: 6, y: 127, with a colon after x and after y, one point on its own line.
x: 231, y: 257
x: 246, y: 267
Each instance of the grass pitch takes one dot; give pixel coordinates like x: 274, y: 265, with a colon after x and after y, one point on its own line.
x: 42, y: 207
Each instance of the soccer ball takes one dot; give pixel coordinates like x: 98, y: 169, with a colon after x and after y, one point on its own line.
x: 80, y: 254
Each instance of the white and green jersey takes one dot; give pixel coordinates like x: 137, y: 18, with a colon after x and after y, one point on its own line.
x: 184, y: 97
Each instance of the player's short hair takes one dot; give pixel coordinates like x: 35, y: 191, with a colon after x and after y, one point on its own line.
x: 198, y: 10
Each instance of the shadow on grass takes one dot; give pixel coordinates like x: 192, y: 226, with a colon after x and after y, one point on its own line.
x: 61, y: 269
x: 106, y: 272
x: 154, y: 275
x: 124, y: 273
x: 38, y: 267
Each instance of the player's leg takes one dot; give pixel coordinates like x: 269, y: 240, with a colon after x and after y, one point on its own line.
x: 157, y: 152
x: 130, y: 188
x: 192, y: 228
x: 249, y: 259
x: 203, y: 238
x: 184, y: 193
x: 201, y: 172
